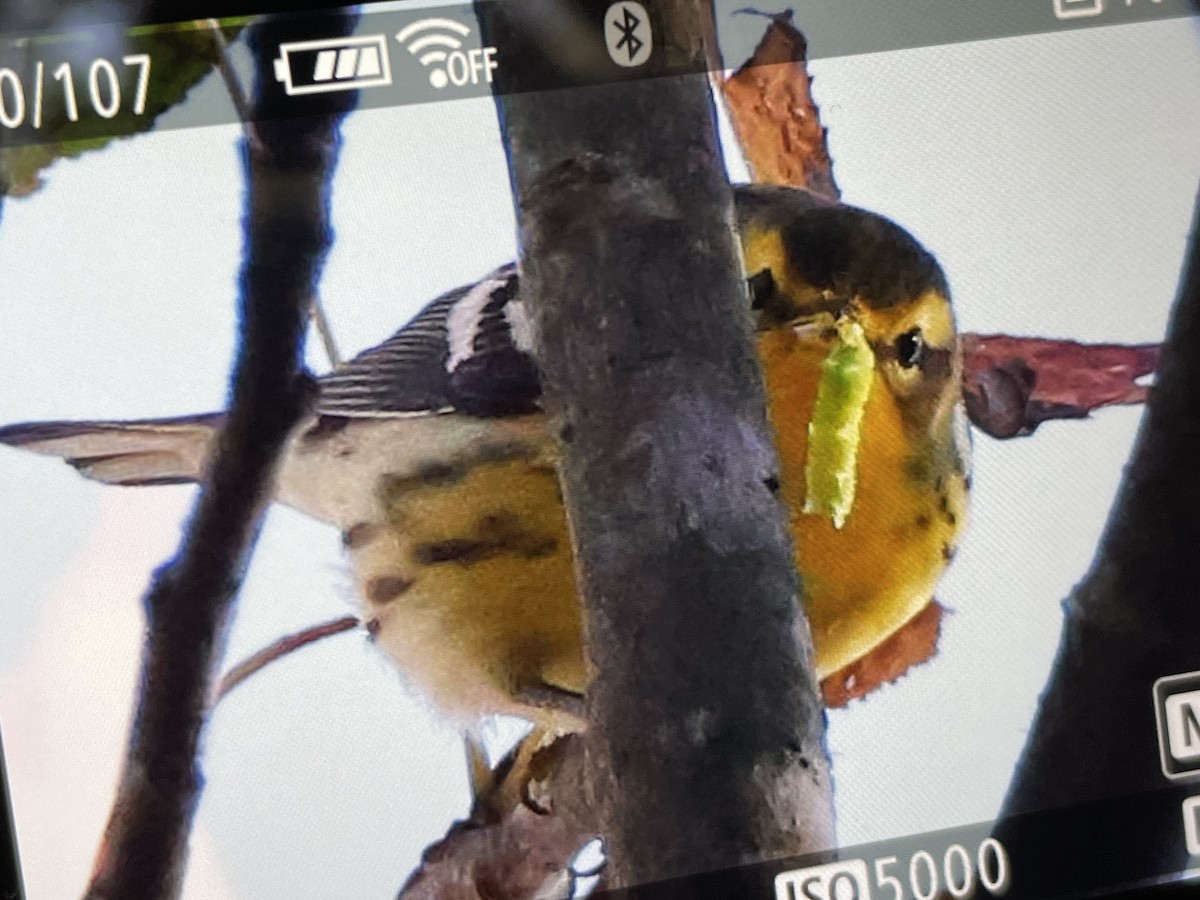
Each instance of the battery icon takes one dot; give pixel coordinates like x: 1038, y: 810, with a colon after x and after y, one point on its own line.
x: 340, y: 64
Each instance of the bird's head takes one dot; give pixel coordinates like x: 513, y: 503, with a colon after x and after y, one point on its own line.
x: 813, y: 266
x: 851, y: 307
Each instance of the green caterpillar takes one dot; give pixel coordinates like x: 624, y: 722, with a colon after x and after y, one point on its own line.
x: 831, y: 469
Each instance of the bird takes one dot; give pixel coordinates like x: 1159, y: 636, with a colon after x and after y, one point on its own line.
x: 432, y: 456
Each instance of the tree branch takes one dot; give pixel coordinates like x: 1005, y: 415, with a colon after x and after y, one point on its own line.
x: 241, y: 105
x: 1132, y: 619
x: 706, y: 729
x: 515, y: 859
x: 190, y: 600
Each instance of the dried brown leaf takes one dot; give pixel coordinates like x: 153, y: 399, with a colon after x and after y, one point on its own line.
x: 775, y: 117
x: 1013, y: 384
x: 915, y: 643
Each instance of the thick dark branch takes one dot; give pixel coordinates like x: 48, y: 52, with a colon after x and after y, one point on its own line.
x: 190, y: 600
x: 706, y: 737
x: 1134, y: 617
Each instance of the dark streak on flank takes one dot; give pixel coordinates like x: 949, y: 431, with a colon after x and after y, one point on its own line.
x: 431, y: 474
x: 923, y: 522
x: 464, y: 551
x: 944, y: 508
x: 358, y: 536
x: 496, y: 534
x: 386, y: 588
x: 440, y: 473
x: 948, y: 552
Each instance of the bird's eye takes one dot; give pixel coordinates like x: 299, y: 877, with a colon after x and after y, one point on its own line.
x: 762, y: 286
x: 909, y: 348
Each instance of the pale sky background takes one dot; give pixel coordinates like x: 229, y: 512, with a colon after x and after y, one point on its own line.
x: 1053, y: 176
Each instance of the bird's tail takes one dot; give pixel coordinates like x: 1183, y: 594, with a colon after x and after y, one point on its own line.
x: 147, y: 452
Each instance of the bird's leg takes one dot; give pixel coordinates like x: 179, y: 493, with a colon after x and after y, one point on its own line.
x: 478, y: 770
x: 541, y: 695
x: 498, y: 789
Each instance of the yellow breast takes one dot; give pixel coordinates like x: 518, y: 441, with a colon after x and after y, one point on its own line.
x: 864, y: 581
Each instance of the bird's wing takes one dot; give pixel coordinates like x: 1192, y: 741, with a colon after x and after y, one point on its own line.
x: 161, y: 451
x: 468, y: 351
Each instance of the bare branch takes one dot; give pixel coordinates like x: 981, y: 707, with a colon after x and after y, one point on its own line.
x: 189, y: 603
x: 234, y: 85
x: 324, y: 330
x: 1132, y: 619
x: 683, y: 551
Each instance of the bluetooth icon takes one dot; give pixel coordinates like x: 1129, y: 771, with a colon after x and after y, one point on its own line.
x: 628, y: 29
x: 628, y: 34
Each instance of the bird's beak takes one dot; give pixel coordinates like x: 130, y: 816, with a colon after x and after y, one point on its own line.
x: 825, y: 318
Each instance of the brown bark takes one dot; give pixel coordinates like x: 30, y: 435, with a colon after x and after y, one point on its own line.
x: 520, y: 857
x: 190, y: 601
x: 706, y: 738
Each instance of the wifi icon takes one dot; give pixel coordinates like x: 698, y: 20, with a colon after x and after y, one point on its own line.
x: 437, y: 44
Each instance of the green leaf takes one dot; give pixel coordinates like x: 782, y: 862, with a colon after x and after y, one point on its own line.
x: 182, y: 56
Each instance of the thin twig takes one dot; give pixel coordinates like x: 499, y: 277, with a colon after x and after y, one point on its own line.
x: 279, y: 649
x: 233, y: 85
x: 321, y: 322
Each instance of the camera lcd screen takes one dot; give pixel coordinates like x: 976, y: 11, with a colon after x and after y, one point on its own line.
x: 986, y: 240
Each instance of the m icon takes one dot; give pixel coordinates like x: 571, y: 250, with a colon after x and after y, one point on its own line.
x: 1177, y: 708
